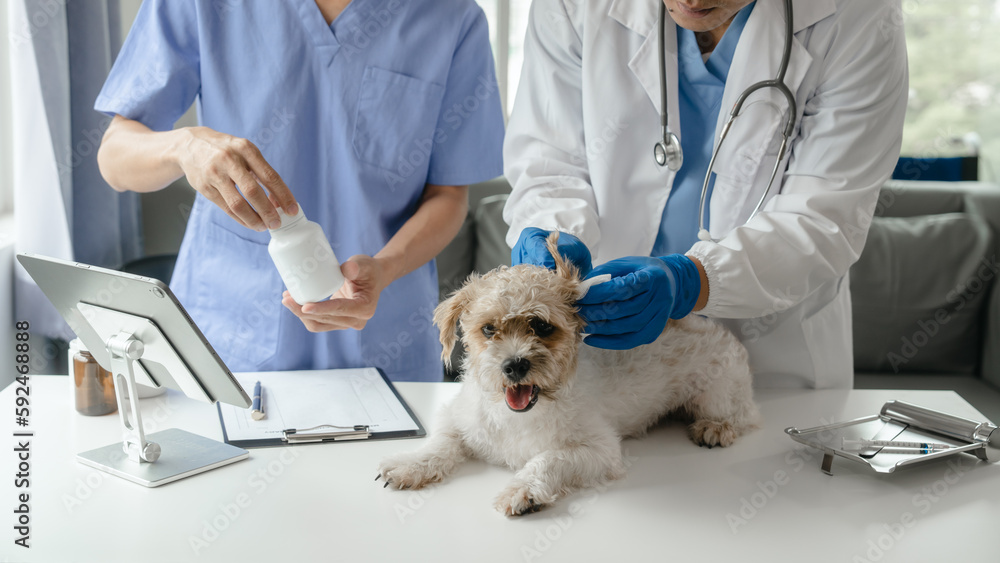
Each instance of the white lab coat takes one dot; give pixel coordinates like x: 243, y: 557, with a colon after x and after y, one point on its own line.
x: 579, y: 155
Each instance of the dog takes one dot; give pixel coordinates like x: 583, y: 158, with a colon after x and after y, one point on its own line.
x: 536, y: 400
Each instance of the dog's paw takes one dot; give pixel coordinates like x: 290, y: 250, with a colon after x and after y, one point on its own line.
x: 519, y: 499
x: 410, y: 471
x: 713, y: 433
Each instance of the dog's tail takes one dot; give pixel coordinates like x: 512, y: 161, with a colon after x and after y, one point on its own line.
x: 564, y: 268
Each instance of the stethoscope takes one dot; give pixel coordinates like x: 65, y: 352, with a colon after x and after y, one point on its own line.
x: 668, y: 151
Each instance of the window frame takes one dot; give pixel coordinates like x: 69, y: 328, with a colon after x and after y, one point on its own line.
x: 6, y: 114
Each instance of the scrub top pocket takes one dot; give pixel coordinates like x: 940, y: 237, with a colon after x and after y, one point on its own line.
x: 237, y: 297
x: 396, y: 119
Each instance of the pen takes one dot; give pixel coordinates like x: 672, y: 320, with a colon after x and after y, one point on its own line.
x: 257, y: 412
x: 923, y: 447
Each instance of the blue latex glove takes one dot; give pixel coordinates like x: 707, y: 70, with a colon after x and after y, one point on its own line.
x: 531, y: 249
x: 633, y: 307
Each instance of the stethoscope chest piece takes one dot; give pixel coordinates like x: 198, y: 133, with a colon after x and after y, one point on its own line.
x: 668, y: 152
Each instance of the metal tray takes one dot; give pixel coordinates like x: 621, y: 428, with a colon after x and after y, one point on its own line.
x: 903, y: 422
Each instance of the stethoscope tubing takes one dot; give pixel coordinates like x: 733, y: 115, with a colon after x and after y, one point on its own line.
x: 667, y: 152
x: 670, y: 143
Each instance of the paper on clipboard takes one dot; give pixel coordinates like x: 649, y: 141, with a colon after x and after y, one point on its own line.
x: 316, y: 399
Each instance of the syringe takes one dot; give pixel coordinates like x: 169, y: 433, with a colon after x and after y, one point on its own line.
x: 922, y: 447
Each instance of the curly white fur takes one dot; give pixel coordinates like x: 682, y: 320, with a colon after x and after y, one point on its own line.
x: 588, y: 399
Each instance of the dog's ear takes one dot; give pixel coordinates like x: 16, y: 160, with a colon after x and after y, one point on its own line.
x: 564, y: 268
x: 568, y: 271
x: 446, y: 317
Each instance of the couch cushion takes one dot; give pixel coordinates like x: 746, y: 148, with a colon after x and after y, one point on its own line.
x: 454, y: 263
x: 919, y: 292
x: 981, y: 395
x: 491, y: 233
x: 903, y: 198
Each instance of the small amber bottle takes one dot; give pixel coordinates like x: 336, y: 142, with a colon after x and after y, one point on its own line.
x: 95, y: 387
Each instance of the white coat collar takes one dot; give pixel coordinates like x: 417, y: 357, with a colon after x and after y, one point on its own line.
x: 641, y: 16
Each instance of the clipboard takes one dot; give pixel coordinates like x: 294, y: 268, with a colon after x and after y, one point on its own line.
x: 308, y: 407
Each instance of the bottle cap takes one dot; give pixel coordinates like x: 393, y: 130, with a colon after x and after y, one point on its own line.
x: 289, y: 220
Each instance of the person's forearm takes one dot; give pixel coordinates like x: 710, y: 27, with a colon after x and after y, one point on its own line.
x: 135, y: 158
x: 703, y: 294
x: 436, y: 222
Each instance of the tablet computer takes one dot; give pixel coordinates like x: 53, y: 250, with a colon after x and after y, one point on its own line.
x: 70, y: 284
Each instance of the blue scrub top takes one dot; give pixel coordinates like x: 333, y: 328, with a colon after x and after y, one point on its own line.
x: 701, y: 87
x: 357, y: 117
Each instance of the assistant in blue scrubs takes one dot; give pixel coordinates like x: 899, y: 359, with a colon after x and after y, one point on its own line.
x: 701, y: 85
x: 357, y: 117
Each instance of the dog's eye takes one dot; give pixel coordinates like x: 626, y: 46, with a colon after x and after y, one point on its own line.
x: 541, y: 328
x: 489, y: 330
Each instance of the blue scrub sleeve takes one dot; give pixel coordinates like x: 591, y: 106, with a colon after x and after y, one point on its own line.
x: 155, y: 78
x: 468, y: 142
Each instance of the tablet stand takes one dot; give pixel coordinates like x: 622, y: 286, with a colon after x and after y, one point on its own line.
x: 161, y: 457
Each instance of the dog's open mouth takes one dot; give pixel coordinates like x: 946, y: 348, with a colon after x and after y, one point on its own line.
x: 520, y: 398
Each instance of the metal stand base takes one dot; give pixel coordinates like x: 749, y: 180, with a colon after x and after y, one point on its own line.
x: 182, y: 454
x: 163, y: 457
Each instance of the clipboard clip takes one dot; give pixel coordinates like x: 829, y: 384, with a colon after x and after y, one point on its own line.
x: 339, y: 433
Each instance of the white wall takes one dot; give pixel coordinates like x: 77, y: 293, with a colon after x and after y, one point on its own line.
x: 128, y: 9
x: 6, y: 176
x: 6, y: 301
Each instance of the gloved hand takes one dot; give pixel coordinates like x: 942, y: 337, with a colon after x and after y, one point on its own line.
x: 632, y: 309
x: 531, y: 249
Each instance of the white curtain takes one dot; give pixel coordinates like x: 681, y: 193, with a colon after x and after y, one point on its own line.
x: 60, y: 54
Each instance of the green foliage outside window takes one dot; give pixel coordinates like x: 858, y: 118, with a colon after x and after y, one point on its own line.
x: 954, y: 52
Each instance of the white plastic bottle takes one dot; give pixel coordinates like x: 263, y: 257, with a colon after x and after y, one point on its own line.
x: 304, y: 258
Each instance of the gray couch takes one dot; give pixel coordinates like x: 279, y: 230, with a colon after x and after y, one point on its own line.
x: 926, y: 308
x: 926, y: 301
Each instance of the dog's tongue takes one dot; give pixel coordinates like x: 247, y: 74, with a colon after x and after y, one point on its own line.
x: 519, y: 396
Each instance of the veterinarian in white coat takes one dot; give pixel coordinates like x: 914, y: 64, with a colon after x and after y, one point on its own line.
x: 579, y: 155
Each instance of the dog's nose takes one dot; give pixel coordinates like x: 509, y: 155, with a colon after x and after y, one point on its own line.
x: 516, y: 368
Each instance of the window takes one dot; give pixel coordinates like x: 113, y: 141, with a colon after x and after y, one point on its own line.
x: 954, y: 106
x: 954, y: 52
x: 6, y: 144
x: 508, y: 22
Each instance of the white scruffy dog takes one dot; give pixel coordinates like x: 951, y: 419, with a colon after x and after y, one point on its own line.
x: 536, y: 400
